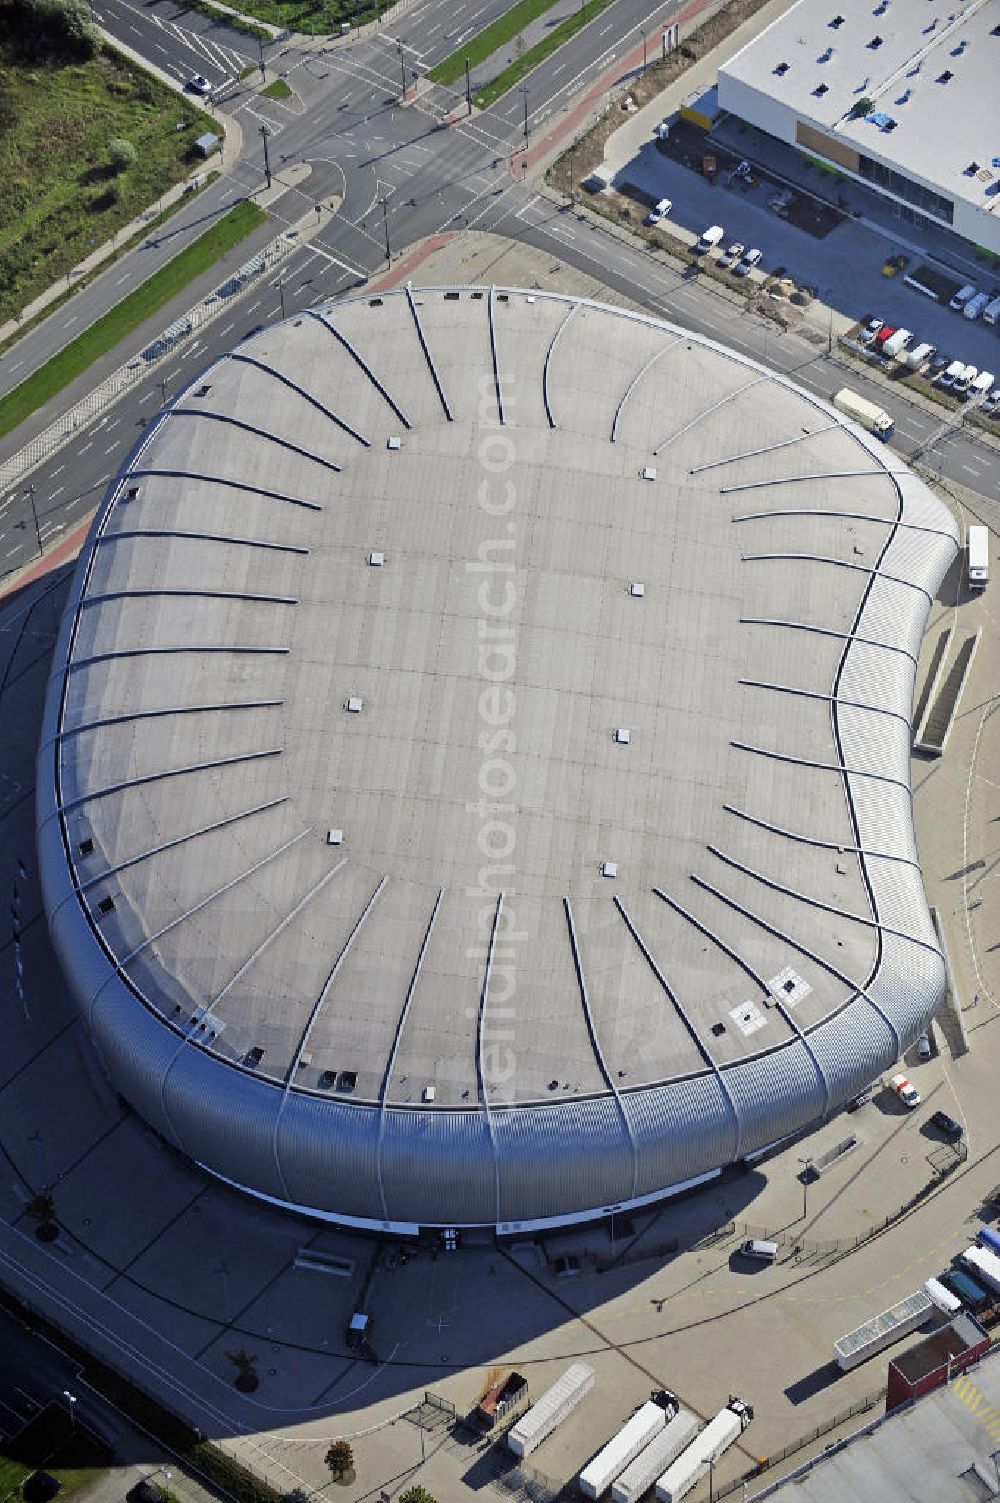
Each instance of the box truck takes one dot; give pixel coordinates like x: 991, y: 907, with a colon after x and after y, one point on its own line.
x: 948, y: 1303
x: 987, y: 1237
x: 874, y: 418
x: 634, y: 1436
x: 991, y: 313
x: 551, y: 1409
x: 984, y: 1267
x: 650, y: 1465
x: 977, y: 550
x: 717, y: 1436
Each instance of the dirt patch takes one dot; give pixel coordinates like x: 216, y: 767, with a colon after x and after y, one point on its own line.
x: 687, y: 145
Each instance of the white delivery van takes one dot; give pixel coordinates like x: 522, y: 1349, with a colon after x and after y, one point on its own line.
x: 919, y: 357
x: 897, y: 343
x: 977, y: 548
x: 983, y: 384
x: 962, y: 296
x: 991, y: 313
x: 712, y: 236
x: 976, y: 305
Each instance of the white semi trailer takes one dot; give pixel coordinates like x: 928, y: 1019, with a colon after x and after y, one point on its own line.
x: 551, y: 1409
x: 717, y: 1436
x: 650, y: 1465
x: 611, y: 1460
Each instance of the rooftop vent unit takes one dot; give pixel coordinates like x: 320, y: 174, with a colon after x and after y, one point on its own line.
x: 253, y: 1057
x: 623, y: 735
x: 354, y: 704
x: 820, y: 90
x: 904, y: 98
x: 86, y: 846
x: 825, y: 57
x: 945, y: 77
x: 636, y: 589
x: 649, y: 472
x: 203, y: 391
x: 334, y: 837
x: 781, y: 70
x: 718, y: 1029
x: 995, y: 32
x: 374, y: 302
x: 971, y: 170
x: 430, y: 1092
x: 394, y: 443
x: 106, y: 905
x: 837, y: 21
x: 609, y: 869
x: 347, y: 1080
x: 376, y: 560
x: 889, y: 125
x: 957, y: 51
x: 874, y: 44
x: 328, y: 1080
x: 881, y: 9
x: 131, y: 493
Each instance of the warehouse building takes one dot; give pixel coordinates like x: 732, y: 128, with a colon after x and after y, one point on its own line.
x: 474, y: 786
x: 900, y: 96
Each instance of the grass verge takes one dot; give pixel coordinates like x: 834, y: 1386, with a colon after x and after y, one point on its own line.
x: 128, y: 315
x: 314, y: 17
x: 278, y: 90
x: 541, y: 50
x: 61, y: 196
x: 482, y: 46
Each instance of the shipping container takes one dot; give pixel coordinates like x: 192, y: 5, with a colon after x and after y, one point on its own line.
x: 875, y: 1335
x: 650, y: 1465
x: 551, y: 1409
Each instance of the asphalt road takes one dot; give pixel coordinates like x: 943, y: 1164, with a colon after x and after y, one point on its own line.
x: 401, y: 176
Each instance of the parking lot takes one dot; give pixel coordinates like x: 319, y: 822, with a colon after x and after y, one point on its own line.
x: 818, y: 245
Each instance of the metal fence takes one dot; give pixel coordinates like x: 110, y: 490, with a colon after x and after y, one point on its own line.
x: 861, y: 1407
x: 90, y: 407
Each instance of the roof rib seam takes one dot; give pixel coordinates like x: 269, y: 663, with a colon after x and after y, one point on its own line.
x: 306, y: 396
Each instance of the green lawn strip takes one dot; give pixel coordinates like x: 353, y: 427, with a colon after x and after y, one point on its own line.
x: 541, y: 50
x: 315, y: 17
x: 482, y: 46
x: 278, y: 90
x: 238, y: 23
x: 12, y: 1474
x: 127, y: 315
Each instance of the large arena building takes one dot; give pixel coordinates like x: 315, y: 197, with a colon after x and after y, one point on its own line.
x: 474, y: 787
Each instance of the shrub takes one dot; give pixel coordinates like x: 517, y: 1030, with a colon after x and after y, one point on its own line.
x: 121, y: 154
x: 417, y: 1494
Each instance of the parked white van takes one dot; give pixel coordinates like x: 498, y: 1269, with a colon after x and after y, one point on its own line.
x: 991, y: 313
x: 962, y: 296
x: 976, y: 305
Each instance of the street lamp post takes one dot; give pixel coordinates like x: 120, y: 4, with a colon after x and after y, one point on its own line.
x: 29, y: 491
x: 71, y: 1405
x: 806, y: 1175
x: 265, y: 132
x: 402, y: 70
x: 524, y: 91
x: 260, y: 43
x: 468, y: 87
x: 643, y: 30
x: 385, y: 222
x: 711, y: 1480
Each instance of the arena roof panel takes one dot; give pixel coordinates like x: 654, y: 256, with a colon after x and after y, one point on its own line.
x: 226, y: 613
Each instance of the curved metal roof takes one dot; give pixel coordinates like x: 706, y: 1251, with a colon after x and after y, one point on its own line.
x: 475, y: 782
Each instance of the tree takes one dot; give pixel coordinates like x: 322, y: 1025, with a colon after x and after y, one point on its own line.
x: 340, y: 1459
x: 54, y: 28
x: 863, y: 106
x: 417, y: 1494
x: 122, y: 154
